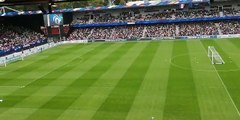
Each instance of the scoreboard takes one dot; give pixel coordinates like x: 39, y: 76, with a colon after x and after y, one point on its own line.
x: 54, y: 25
x: 53, y: 19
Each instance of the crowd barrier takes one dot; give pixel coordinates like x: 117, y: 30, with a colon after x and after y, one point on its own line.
x: 158, y: 38
x: 73, y: 41
x: 209, y: 36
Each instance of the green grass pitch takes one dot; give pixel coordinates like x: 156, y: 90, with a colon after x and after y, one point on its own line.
x: 167, y: 80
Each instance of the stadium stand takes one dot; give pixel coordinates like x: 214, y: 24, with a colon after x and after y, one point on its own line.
x: 196, y: 29
x: 232, y: 27
x: 159, y: 15
x: 161, y: 30
x: 14, y: 38
x: 132, y: 23
x: 120, y: 24
x: 157, y: 30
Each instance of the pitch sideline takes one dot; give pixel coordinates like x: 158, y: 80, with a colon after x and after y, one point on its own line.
x: 224, y: 86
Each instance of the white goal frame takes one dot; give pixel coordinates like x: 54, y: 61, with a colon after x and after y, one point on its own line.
x: 214, y: 56
x: 11, y: 58
x: 3, y: 63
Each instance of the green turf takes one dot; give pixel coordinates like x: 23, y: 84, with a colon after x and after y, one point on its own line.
x: 168, y: 80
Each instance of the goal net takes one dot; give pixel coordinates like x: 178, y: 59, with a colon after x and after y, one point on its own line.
x: 3, y: 63
x: 214, y: 56
x: 10, y: 58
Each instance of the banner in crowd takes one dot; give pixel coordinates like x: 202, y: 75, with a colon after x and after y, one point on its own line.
x: 209, y: 36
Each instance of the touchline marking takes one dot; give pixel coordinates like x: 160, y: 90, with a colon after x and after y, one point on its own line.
x: 224, y: 86
x: 227, y: 91
x: 13, y: 86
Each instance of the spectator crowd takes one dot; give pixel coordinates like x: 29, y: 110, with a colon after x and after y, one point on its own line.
x: 12, y: 37
x: 157, y: 30
x: 230, y: 27
x: 160, y: 15
x: 202, y: 28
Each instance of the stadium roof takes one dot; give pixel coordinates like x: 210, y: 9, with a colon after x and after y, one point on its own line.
x: 26, y: 2
x: 149, y: 4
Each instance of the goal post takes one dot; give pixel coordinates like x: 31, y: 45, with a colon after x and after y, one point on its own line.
x: 214, y: 56
x: 3, y: 63
x: 11, y: 58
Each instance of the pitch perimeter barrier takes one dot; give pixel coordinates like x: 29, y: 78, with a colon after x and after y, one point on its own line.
x: 209, y: 36
x: 157, y: 38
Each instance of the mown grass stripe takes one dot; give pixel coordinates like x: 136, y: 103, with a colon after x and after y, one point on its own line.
x: 21, y: 94
x: 65, y: 98
x: 150, y: 99
x: 235, y: 42
x: 212, y: 97
x: 223, y: 54
x: 30, y: 60
x: 49, y: 91
x: 4, y: 78
x: 181, y: 101
x: 229, y: 78
x: 120, y: 100
x: 27, y: 78
x: 86, y: 104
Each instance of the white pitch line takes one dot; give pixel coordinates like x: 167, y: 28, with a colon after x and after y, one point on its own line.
x: 13, y: 86
x: 224, y: 86
x: 227, y: 90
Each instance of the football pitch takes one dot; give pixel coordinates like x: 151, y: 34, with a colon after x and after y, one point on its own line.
x: 167, y: 80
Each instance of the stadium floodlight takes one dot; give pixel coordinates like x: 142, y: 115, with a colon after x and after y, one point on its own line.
x: 214, y: 56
